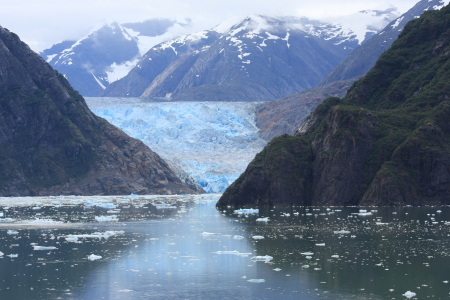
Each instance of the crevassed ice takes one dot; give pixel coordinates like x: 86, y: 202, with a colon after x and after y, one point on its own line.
x: 211, y: 141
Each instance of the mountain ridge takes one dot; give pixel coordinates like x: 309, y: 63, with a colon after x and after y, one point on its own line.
x: 258, y: 58
x: 52, y: 144
x: 385, y: 143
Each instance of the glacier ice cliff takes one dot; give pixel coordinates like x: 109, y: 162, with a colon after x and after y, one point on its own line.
x: 212, y: 142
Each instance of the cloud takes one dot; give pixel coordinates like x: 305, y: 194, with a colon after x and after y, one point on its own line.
x: 45, y: 22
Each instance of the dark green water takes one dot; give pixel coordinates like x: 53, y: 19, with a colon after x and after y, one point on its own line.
x: 193, y: 251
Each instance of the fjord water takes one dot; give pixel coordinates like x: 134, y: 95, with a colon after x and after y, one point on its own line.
x: 182, y: 247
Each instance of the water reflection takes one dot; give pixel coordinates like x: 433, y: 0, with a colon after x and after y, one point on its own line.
x: 181, y: 247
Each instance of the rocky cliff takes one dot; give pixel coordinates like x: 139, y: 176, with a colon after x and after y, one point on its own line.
x: 52, y: 144
x: 285, y: 115
x: 385, y: 143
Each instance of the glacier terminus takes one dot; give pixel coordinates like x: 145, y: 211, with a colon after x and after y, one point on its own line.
x: 211, y: 141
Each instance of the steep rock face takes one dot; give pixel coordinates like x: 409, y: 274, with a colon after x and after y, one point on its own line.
x: 52, y: 144
x: 285, y: 115
x: 360, y: 61
x: 385, y: 143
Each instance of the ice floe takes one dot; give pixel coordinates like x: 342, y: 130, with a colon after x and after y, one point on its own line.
x: 265, y: 258
x: 94, y: 257
x: 409, y: 294
x: 256, y: 280
x: 35, y: 247
x: 246, y: 211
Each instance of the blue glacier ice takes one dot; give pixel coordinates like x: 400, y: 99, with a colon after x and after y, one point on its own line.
x: 212, y: 142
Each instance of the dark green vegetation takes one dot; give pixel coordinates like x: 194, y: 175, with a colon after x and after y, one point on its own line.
x: 385, y: 143
x: 52, y: 144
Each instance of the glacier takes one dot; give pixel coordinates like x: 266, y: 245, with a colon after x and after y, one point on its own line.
x: 212, y: 142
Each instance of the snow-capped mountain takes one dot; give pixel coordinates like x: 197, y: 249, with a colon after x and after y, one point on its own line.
x: 108, y: 52
x: 360, y: 61
x: 284, y: 116
x: 258, y: 58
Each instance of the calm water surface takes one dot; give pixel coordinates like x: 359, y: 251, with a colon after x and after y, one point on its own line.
x: 181, y: 247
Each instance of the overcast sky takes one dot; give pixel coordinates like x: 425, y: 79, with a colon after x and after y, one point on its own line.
x: 42, y: 23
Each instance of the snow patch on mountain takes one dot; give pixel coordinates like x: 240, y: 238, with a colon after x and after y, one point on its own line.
x: 116, y: 72
x: 364, y: 22
x: 212, y: 141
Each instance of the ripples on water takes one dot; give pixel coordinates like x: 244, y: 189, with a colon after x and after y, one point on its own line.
x: 181, y: 247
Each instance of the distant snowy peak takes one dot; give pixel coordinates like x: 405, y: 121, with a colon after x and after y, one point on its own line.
x: 349, y: 31
x: 239, y: 58
x: 109, y: 51
x: 414, y: 13
x: 184, y: 40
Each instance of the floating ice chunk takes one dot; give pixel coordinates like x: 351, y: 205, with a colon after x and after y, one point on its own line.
x: 320, y: 244
x: 13, y: 255
x: 409, y: 294
x: 342, y: 232
x: 1, y: 253
x: 73, y: 239
x: 238, y: 237
x: 246, y: 211
x: 265, y: 258
x: 335, y: 256
x: 6, y: 220
x: 95, y: 235
x: 233, y: 253
x: 305, y: 266
x: 12, y: 232
x: 307, y: 253
x: 44, y: 248
x: 257, y: 237
x: 277, y: 269
x: 112, y: 218
x: 262, y: 219
x: 41, y: 221
x: 94, y: 257
x: 365, y: 213
x: 256, y: 280
x: 209, y: 233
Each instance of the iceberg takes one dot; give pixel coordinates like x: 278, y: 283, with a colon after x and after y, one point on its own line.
x: 112, y: 218
x: 265, y: 258
x: 44, y: 248
x: 209, y: 233
x: 342, y: 232
x: 244, y: 211
x: 94, y: 257
x: 233, y: 253
x: 256, y: 280
x: 409, y: 294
